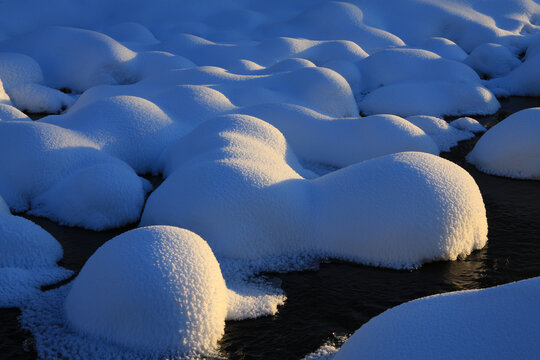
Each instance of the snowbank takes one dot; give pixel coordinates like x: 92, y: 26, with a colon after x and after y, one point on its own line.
x: 511, y: 148
x: 499, y: 322
x: 238, y: 169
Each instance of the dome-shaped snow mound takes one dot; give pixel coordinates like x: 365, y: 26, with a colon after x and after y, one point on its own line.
x: 511, y: 148
x: 157, y: 289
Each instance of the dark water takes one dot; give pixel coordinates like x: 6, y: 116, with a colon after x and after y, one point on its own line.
x: 324, y: 305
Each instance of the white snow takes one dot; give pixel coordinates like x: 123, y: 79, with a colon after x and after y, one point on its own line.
x: 430, y: 98
x: 493, y: 60
x: 62, y: 175
x: 467, y: 124
x: 28, y: 258
x: 157, y: 289
x: 23, y: 79
x: 496, y: 323
x: 444, y: 48
x: 511, y: 148
x: 221, y: 97
x: 8, y: 112
x: 238, y: 169
x: 444, y: 135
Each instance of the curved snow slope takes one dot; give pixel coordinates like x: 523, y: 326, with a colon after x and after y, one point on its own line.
x: 511, y: 148
x: 397, y: 211
x: 495, y: 323
x: 62, y: 175
x: 157, y: 289
x: 28, y: 258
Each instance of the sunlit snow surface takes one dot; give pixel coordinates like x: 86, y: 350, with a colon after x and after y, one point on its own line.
x: 232, y: 102
x: 479, y: 324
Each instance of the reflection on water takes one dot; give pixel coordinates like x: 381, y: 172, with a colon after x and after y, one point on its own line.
x: 337, y: 299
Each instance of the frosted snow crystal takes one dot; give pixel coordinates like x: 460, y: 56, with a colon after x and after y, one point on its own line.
x: 511, y: 148
x: 499, y: 322
x: 264, y: 188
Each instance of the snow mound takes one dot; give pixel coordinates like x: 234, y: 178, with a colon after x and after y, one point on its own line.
x: 17, y: 69
x: 430, y: 98
x: 23, y: 81
x: 136, y: 130
x: 64, y: 176
x: 342, y: 21
x: 467, y: 124
x: 493, y: 60
x: 28, y: 258
x: 156, y: 289
x: 130, y: 128
x: 444, y: 135
x: 418, y: 82
x: 511, y: 148
x: 62, y: 51
x: 523, y: 80
x: 264, y: 188
x: 341, y: 142
x: 8, y: 113
x: 444, y: 48
x: 499, y: 322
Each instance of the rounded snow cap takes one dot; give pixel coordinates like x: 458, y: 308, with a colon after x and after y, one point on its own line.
x: 157, y: 289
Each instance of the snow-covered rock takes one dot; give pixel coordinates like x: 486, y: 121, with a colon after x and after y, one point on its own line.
x: 238, y: 169
x: 511, y: 148
x: 496, y: 323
